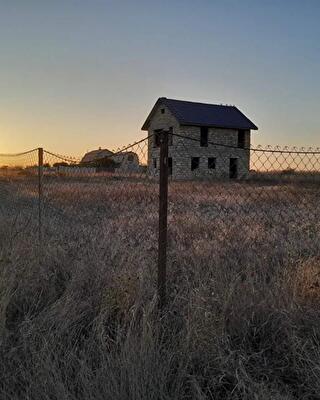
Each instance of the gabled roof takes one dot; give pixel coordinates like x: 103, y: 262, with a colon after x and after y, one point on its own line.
x: 95, y: 155
x: 201, y: 114
x: 100, y: 154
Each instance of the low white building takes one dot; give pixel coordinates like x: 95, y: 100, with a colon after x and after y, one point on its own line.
x: 126, y: 160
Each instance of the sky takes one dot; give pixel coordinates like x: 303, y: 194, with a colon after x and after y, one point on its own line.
x: 76, y: 74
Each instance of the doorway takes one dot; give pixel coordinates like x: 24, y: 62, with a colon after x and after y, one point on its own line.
x: 170, y: 166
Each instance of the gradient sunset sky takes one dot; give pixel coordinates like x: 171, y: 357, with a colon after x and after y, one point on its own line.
x: 75, y: 74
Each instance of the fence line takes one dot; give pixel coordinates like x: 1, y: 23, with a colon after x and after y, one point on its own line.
x: 268, y: 149
x: 2, y: 155
x: 63, y: 158
x: 173, y: 192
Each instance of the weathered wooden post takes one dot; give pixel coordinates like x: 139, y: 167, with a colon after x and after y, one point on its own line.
x: 40, y: 193
x: 163, y: 218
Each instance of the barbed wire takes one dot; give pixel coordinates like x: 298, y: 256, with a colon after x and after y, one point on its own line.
x: 268, y: 148
x: 258, y: 148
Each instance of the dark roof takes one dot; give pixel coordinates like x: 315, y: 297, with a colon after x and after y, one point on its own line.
x: 201, y: 114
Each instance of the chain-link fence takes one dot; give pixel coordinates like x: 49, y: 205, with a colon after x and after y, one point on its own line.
x: 234, y: 206
x: 19, y: 200
x: 223, y: 202
x: 104, y: 204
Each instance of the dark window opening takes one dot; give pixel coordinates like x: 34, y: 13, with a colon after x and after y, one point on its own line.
x: 212, y: 163
x: 170, y: 165
x: 195, y: 161
x: 155, y: 163
x: 162, y: 110
x: 241, y: 138
x: 170, y: 137
x: 203, y: 136
x: 233, y: 168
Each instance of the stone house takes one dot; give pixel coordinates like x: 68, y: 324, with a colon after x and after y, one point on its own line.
x: 212, y: 140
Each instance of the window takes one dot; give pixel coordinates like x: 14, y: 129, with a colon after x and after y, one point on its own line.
x: 203, y: 136
x: 233, y: 168
x: 170, y: 165
x: 162, y: 110
x: 195, y: 161
x: 211, y: 163
x: 170, y: 137
x: 241, y: 138
x: 154, y: 163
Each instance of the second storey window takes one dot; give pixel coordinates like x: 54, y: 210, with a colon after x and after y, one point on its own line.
x: 195, y: 161
x: 241, y: 138
x: 204, y: 136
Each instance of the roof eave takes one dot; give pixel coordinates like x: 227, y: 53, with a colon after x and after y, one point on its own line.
x: 252, y: 127
x: 146, y: 124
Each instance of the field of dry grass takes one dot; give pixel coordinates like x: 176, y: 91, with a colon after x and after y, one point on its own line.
x: 78, y: 315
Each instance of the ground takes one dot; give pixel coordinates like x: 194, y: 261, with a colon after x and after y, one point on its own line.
x: 78, y: 314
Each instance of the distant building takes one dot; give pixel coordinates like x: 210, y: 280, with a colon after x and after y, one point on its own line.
x: 205, y: 124
x: 127, y: 160
x: 95, y: 155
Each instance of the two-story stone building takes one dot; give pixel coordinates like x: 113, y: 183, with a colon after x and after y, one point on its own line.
x: 212, y: 140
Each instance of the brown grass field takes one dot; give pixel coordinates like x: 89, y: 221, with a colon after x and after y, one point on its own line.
x: 79, y: 317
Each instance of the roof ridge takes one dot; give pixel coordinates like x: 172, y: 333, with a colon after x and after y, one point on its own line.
x: 97, y: 150
x: 198, y: 102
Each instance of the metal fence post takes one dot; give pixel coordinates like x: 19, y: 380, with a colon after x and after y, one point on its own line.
x: 40, y: 192
x: 163, y: 217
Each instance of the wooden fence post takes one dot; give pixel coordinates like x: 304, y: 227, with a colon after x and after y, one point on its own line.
x: 163, y: 218
x: 40, y: 193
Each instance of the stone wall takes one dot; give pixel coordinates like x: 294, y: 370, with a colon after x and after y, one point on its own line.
x: 183, y: 150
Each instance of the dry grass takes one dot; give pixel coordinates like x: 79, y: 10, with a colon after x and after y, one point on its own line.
x: 78, y: 320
